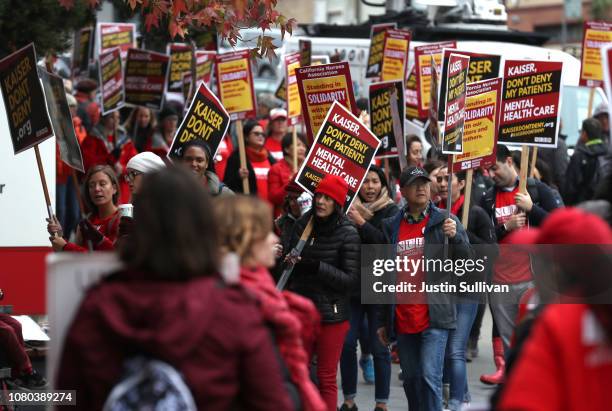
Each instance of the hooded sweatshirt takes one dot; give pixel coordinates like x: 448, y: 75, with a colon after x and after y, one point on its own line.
x: 214, y: 335
x: 585, y: 166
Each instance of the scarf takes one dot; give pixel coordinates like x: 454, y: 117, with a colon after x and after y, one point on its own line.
x: 256, y: 156
x: 295, y: 321
x: 367, y: 210
x: 456, y: 207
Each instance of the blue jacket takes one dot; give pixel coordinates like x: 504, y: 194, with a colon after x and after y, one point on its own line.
x: 442, y: 312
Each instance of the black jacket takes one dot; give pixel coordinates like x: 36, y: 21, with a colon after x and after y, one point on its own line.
x: 442, y: 312
x: 330, y: 265
x: 371, y: 231
x: 557, y: 159
x: 232, y: 177
x: 543, y: 203
x: 581, y: 180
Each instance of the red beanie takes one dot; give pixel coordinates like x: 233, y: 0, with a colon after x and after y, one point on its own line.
x: 334, y: 187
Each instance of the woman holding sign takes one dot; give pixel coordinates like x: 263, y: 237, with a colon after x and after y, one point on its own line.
x: 326, y: 273
x: 282, y: 172
x: 100, y: 229
x: 259, y: 162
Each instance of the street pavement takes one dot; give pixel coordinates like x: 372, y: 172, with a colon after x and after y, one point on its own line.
x: 397, y: 400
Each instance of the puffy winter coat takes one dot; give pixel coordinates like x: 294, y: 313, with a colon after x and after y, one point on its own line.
x: 330, y: 265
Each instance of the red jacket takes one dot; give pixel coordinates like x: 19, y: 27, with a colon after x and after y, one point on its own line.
x: 108, y: 227
x: 214, y: 335
x: 566, y: 364
x: 278, y: 177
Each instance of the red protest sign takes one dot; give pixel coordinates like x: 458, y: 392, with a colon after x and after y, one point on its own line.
x: 377, y: 42
x: 319, y: 87
x: 596, y: 35
x: 530, y: 103
x: 606, y: 56
x: 120, y: 35
x: 205, y: 62
x: 344, y: 147
x: 145, y: 78
x: 424, y: 70
x: 305, y: 47
x: 395, y: 55
x: 294, y: 105
x: 111, y: 81
x: 235, y: 84
x: 482, y: 106
x: 412, y: 102
x: 454, y: 103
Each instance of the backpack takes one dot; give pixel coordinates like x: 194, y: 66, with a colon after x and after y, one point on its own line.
x: 150, y: 385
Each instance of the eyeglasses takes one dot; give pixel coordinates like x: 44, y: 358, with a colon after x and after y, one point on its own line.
x: 131, y: 175
x: 258, y: 133
x: 439, y: 179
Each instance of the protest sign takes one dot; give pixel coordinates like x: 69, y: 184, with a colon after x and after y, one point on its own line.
x: 294, y: 106
x: 305, y: 52
x: 454, y: 103
x: 145, y: 78
x: 319, y: 87
x: 24, y: 100
x: 181, y: 59
x: 596, y: 34
x: 482, y: 67
x: 81, y: 51
x: 482, y: 106
x: 395, y: 55
x: 205, y: 62
x: 235, y: 84
x: 281, y: 91
x: 606, y: 57
x: 61, y: 119
x: 432, y: 116
x: 381, y: 120
x: 377, y: 42
x: 120, y: 35
x: 531, y: 103
x: 111, y: 81
x: 206, y: 119
x: 344, y: 147
x: 422, y: 61
x: 412, y: 102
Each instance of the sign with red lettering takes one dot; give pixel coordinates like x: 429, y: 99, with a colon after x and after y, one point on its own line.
x: 596, y: 34
x: 395, y: 55
x: 294, y: 105
x: 235, y: 84
x: 606, y: 57
x: 531, y: 102
x: 454, y: 103
x: 145, y: 78
x: 319, y: 87
x: 111, y: 81
x: 424, y: 70
x: 120, y: 35
x: 344, y: 147
x: 377, y: 43
x: 205, y: 62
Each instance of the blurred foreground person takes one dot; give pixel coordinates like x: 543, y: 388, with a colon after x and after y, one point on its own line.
x: 168, y: 304
x: 101, y: 193
x: 196, y: 156
x: 245, y: 225
x: 327, y: 273
x: 561, y: 359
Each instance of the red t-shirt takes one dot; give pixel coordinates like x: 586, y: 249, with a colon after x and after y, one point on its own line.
x: 564, y: 365
x: 512, y: 267
x: 274, y: 148
x: 261, y: 169
x: 412, y: 317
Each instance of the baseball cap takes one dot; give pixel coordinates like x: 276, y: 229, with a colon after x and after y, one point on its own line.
x: 411, y: 174
x: 602, y: 108
x: 277, y: 113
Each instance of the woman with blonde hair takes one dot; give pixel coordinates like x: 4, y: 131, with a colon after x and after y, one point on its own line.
x: 245, y: 233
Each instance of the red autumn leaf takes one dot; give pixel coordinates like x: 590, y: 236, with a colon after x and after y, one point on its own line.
x: 67, y: 4
x: 151, y: 20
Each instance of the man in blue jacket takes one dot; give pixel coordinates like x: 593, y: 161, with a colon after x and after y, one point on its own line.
x: 421, y: 321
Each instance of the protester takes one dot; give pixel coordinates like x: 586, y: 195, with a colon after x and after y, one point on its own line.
x: 291, y: 213
x: 245, y: 226
x: 277, y: 129
x: 283, y: 171
x: 480, y: 231
x: 586, y: 167
x: 166, y: 129
x: 327, y: 273
x: 601, y: 205
x: 556, y: 158
x: 140, y: 127
x: 100, y: 194
x: 559, y: 360
x: 196, y: 155
x: 432, y: 167
x: 23, y: 376
x: 265, y: 103
x: 414, y: 155
x: 422, y: 321
x: 258, y: 164
x: 601, y: 113
x: 139, y: 165
x: 77, y: 122
x: 169, y: 304
x: 367, y: 212
x: 224, y: 151
x: 510, y: 210
x: 88, y: 110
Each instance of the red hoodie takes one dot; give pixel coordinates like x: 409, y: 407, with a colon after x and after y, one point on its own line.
x: 213, y: 334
